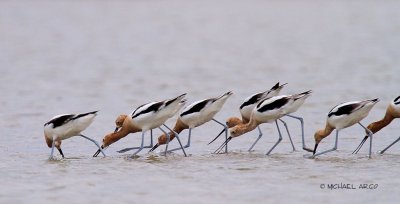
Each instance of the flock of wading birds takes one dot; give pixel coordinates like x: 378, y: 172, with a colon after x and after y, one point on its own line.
x: 259, y: 108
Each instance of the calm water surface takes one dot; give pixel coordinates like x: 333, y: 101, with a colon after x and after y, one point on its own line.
x: 112, y: 56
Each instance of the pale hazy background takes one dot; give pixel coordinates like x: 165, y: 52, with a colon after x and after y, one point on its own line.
x: 78, y: 56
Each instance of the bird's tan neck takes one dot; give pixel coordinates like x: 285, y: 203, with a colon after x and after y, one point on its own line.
x: 245, y: 120
x: 113, y: 137
x: 321, y: 134
x: 123, y: 132
x: 180, y: 126
x: 49, y: 142
x: 378, y: 125
x: 247, y: 127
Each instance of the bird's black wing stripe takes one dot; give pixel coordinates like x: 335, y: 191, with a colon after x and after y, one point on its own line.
x: 170, y: 101
x: 301, y: 95
x: 83, y: 115
x: 252, y: 100
x: 153, y: 108
x: 174, y: 99
x: 345, y: 110
x: 275, y: 87
x: 397, y: 100
x: 138, y: 109
x: 198, y: 107
x: 60, y: 120
x: 274, y: 105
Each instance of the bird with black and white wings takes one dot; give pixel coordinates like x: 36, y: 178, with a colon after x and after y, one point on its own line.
x: 65, y: 126
x: 267, y: 111
x: 247, y: 107
x: 196, y: 114
x: 250, y: 102
x: 147, y: 117
x: 342, y: 116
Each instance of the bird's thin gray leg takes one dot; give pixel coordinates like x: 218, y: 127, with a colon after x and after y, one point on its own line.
x: 384, y: 150
x: 287, y: 130
x: 302, y: 131
x: 52, y: 150
x: 370, y: 138
x: 226, y: 133
x: 177, y: 137
x: 260, y: 134
x: 132, y: 148
x: 141, y: 146
x: 94, y: 141
x: 188, y: 142
x: 279, y: 139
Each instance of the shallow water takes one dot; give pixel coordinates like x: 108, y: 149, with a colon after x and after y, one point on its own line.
x: 65, y: 57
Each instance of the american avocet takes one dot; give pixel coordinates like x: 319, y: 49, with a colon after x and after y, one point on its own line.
x: 342, y: 116
x: 125, y: 126
x: 195, y: 115
x: 64, y: 126
x: 147, y: 117
x: 247, y: 107
x: 267, y: 111
x: 392, y: 112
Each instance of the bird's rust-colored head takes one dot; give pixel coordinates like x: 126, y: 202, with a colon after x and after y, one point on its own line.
x: 119, y: 122
x: 162, y: 139
x: 49, y: 142
x: 241, y: 129
x: 237, y: 130
x: 318, y: 136
x: 233, y: 121
x: 321, y: 134
x: 109, y: 139
x: 230, y: 123
x: 57, y: 144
